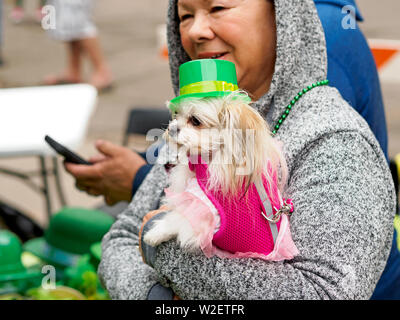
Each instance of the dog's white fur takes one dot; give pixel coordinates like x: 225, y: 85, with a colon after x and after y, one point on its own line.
x: 216, y: 128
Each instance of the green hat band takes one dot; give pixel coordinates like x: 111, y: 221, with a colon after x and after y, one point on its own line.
x: 208, y: 86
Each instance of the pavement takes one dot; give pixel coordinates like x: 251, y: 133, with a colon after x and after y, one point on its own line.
x: 129, y: 38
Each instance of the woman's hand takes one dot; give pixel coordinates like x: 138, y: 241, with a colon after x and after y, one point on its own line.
x: 146, y: 218
x: 111, y: 174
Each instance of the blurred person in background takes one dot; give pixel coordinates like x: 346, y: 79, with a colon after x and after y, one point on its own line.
x: 75, y: 27
x: 18, y: 12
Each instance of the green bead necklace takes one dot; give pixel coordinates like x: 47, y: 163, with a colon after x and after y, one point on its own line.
x: 293, y: 102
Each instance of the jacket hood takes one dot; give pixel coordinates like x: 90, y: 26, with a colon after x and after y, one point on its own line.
x: 300, y: 58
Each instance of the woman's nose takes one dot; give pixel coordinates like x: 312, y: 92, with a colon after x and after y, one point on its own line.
x: 200, y: 29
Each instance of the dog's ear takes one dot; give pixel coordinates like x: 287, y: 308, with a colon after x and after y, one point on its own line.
x: 240, y: 115
x: 247, y: 150
x: 244, y: 134
x: 253, y: 146
x: 254, y: 141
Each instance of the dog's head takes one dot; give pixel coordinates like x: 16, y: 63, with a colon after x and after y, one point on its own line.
x: 231, y: 137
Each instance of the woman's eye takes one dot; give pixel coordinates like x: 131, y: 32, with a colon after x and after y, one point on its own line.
x: 185, y: 17
x: 194, y: 121
x: 217, y: 9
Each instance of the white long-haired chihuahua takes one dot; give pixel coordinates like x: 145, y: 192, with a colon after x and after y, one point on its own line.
x: 237, y: 145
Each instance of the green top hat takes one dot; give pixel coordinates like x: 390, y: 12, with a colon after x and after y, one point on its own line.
x: 206, y: 78
x: 71, y: 233
x: 11, y: 267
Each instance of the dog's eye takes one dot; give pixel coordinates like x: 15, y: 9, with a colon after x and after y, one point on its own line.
x: 194, y: 121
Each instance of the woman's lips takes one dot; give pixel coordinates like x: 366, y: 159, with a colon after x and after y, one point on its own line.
x: 211, y: 55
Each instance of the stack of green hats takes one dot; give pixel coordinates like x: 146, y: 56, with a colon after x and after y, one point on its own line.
x: 71, y: 233
x: 14, y: 276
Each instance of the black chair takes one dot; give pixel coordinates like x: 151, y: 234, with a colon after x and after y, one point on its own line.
x: 19, y: 223
x: 142, y: 119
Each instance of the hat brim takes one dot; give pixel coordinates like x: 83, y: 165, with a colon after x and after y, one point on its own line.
x: 27, y: 274
x: 46, y: 252
x: 95, y: 250
x: 199, y: 95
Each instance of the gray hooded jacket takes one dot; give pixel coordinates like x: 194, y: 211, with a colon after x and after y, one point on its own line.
x: 338, y: 179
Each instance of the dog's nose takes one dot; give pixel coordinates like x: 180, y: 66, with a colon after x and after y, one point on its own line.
x: 173, y: 129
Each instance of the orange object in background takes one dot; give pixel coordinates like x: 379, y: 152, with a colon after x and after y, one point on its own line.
x: 164, y: 52
x: 162, y: 41
x: 384, y: 50
x: 383, y: 55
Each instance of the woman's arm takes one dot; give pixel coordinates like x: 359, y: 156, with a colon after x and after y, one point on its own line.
x: 122, y: 270
x: 342, y: 226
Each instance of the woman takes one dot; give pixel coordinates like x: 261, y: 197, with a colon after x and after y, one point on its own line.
x: 338, y: 176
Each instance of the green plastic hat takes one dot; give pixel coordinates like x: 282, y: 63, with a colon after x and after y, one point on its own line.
x: 11, y: 267
x: 71, y: 233
x: 206, y: 78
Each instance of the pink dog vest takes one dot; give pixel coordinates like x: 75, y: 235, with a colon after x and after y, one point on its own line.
x: 243, y: 227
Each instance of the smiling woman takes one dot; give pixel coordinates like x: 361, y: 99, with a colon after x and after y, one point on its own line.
x: 338, y: 177
x: 228, y: 29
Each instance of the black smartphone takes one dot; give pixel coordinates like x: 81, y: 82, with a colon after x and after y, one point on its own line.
x: 65, y: 152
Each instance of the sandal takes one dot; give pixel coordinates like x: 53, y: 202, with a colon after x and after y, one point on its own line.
x: 105, y: 88
x: 102, y: 87
x: 54, y: 80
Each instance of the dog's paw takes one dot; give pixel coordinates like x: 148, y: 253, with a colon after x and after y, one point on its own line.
x: 190, y: 245
x: 152, y: 238
x: 188, y: 240
x: 162, y: 231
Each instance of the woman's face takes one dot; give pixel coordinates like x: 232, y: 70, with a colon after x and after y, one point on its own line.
x: 240, y: 31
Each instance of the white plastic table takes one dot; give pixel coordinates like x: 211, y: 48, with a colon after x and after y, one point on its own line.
x: 28, y: 114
